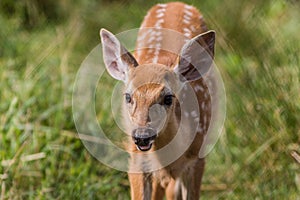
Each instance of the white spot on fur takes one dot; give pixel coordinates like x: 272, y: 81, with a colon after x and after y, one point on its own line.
x: 200, y: 129
x: 158, y: 23
x: 156, y: 52
x: 187, y: 12
x: 185, y: 87
x: 186, y: 114
x: 150, y: 50
x: 185, y: 21
x: 151, y: 39
x: 161, y: 10
x: 194, y: 113
x: 144, y: 35
x: 188, y: 7
x: 203, y: 105
x: 161, y: 14
x: 188, y: 35
x: 155, y: 58
x: 187, y: 17
x: 198, y: 88
x: 209, y: 83
x: 162, y: 5
x: 187, y: 32
x: 206, y: 95
x: 159, y: 39
x: 193, y: 28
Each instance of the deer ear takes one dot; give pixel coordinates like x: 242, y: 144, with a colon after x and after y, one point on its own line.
x: 196, y: 56
x: 116, y: 58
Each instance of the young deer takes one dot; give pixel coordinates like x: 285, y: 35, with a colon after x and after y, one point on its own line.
x: 174, y: 51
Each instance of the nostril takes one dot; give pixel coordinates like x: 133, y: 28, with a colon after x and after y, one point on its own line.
x: 136, y: 140
x: 141, y: 140
x: 143, y: 136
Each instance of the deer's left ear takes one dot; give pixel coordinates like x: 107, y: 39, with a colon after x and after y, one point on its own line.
x: 116, y: 58
x: 196, y: 56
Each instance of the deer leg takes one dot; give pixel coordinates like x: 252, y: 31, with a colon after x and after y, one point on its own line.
x: 140, y: 186
x: 157, y: 191
x: 170, y: 190
x: 198, y: 173
x: 174, y: 190
x: 188, y: 186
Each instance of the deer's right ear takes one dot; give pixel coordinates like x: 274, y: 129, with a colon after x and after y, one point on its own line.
x: 116, y: 58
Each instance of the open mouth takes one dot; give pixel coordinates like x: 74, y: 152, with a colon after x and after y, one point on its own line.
x: 145, y: 147
x: 143, y: 138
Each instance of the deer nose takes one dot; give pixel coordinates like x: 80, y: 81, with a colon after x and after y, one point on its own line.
x: 143, y: 138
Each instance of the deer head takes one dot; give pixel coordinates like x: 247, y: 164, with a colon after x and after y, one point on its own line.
x: 150, y: 89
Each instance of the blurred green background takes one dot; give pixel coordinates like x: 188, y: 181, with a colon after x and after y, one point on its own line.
x: 43, y: 43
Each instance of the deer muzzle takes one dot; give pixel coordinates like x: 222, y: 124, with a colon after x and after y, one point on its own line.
x: 143, y: 138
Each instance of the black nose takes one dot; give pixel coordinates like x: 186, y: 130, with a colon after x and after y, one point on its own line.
x: 143, y: 136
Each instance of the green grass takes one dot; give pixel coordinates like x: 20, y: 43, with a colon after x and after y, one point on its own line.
x: 257, y: 52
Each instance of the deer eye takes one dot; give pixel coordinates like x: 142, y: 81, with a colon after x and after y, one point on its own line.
x: 128, y: 98
x: 168, y: 100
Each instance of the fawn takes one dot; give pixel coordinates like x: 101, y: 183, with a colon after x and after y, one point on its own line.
x: 174, y: 51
